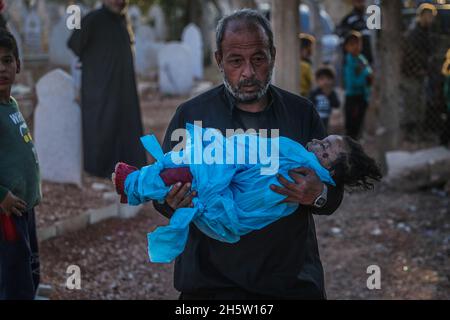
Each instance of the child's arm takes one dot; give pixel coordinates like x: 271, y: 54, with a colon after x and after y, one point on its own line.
x: 334, y: 100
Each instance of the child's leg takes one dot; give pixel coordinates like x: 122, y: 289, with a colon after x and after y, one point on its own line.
x: 19, y: 261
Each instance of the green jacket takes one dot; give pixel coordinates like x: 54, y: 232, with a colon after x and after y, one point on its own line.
x: 19, y: 167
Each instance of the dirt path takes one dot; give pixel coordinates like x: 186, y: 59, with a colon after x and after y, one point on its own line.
x: 406, y: 235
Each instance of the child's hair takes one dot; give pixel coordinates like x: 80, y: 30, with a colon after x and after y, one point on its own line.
x: 352, y: 36
x: 325, y: 71
x: 8, y: 41
x: 306, y: 40
x: 355, y: 169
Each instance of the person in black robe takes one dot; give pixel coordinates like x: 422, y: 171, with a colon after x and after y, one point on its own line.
x: 109, y: 100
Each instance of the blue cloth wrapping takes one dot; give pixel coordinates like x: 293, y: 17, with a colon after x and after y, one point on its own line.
x: 233, y: 199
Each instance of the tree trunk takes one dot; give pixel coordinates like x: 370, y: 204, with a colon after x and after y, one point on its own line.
x: 286, y: 26
x: 389, y: 79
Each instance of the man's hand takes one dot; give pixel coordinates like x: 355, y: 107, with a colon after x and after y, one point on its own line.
x: 13, y: 205
x: 178, y: 196
x: 305, y: 190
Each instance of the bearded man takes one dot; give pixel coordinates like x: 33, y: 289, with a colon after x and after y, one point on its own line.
x: 280, y: 261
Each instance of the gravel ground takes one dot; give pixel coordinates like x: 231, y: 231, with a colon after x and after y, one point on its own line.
x: 406, y: 234
x: 112, y: 257
x: 60, y: 201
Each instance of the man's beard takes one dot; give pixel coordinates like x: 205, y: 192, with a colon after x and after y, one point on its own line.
x: 248, y: 98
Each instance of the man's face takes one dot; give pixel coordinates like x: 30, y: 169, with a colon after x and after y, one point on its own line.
x: 9, y: 66
x: 246, y: 62
x: 327, y: 150
x: 117, y: 6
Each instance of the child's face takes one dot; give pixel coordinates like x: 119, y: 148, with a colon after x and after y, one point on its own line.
x: 306, y: 52
x: 354, y: 47
x: 325, y: 83
x: 327, y: 150
x: 9, y: 66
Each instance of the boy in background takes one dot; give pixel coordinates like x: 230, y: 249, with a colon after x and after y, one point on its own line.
x: 445, y: 137
x: 20, y: 188
x: 306, y: 72
x: 357, y: 82
x: 324, y: 97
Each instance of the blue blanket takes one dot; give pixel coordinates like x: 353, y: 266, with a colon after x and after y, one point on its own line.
x: 233, y: 199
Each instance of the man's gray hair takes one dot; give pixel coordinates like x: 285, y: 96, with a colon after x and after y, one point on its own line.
x: 248, y: 16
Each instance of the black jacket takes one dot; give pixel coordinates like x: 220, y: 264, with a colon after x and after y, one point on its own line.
x: 281, y: 260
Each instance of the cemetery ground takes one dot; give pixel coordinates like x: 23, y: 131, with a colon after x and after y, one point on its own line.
x: 406, y: 234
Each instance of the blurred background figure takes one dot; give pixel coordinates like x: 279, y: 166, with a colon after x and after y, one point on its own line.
x: 357, y: 21
x: 357, y: 82
x: 324, y: 96
x: 110, y: 106
x: 445, y: 137
x: 307, y: 42
x: 415, y: 64
x: 2, y: 18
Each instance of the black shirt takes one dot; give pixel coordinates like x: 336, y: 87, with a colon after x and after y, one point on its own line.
x: 281, y: 260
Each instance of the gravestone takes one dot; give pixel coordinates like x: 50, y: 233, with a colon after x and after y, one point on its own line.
x: 17, y: 12
x: 75, y: 70
x: 59, y: 52
x: 174, y: 69
x: 43, y: 12
x: 192, y: 38
x: 158, y: 20
x: 146, y: 51
x: 33, y: 33
x: 18, y: 38
x: 57, y: 129
x: 135, y: 16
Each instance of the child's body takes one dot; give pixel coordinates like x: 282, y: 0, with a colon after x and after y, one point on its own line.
x: 357, y: 81
x: 324, y: 97
x: 19, y: 187
x: 234, y: 200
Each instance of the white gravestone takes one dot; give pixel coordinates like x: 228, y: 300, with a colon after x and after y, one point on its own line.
x: 59, y: 52
x: 18, y: 38
x: 146, y: 51
x: 192, y: 38
x: 57, y: 129
x: 175, y: 69
x: 156, y: 16
x: 135, y: 16
x: 33, y: 33
x: 17, y: 12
